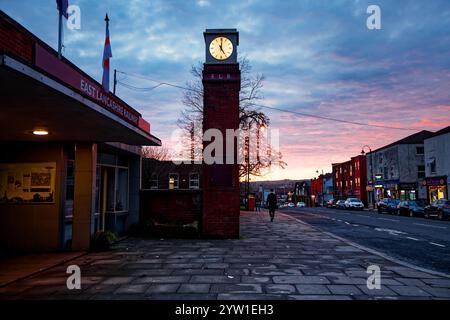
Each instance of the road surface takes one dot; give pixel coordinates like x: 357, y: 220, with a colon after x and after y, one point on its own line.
x: 419, y: 241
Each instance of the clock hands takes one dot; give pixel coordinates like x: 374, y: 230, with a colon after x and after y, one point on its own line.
x: 220, y: 46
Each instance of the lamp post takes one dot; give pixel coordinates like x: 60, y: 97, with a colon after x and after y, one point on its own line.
x: 371, y: 170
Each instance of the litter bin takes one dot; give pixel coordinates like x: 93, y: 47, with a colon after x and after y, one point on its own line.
x: 251, y: 202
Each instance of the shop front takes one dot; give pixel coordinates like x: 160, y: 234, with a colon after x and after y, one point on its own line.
x: 437, y: 188
x: 71, y: 153
x: 386, y: 189
x: 408, y: 191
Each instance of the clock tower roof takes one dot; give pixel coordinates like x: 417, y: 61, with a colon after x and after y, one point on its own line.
x: 222, y: 32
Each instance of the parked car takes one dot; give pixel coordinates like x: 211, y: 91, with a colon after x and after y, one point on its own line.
x: 331, y: 203
x: 440, y: 209
x: 340, y: 204
x: 354, y: 204
x: 301, y: 205
x: 291, y: 205
x: 411, y: 208
x: 388, y: 205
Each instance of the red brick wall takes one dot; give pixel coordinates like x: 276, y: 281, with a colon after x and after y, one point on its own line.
x: 170, y: 207
x: 14, y: 40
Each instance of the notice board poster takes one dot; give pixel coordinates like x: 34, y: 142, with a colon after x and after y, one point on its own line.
x: 27, y: 182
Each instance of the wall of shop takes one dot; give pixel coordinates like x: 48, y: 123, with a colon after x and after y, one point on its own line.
x: 33, y: 226
x: 438, y: 148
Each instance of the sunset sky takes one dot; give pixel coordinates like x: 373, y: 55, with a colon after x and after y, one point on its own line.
x: 318, y: 57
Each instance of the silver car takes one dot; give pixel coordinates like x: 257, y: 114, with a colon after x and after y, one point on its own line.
x: 354, y: 204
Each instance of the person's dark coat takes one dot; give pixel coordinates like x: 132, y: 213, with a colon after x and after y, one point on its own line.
x: 272, y: 201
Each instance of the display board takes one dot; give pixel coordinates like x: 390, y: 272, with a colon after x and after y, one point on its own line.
x: 27, y: 182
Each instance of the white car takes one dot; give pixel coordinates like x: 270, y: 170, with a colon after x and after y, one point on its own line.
x: 301, y: 205
x: 291, y: 205
x: 354, y: 203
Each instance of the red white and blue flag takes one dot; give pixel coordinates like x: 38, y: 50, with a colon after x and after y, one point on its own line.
x: 107, y: 54
x: 62, y: 7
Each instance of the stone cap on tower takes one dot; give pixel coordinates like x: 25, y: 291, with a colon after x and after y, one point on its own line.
x: 222, y: 32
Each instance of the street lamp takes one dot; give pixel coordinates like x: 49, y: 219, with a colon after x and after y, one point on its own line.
x: 371, y: 170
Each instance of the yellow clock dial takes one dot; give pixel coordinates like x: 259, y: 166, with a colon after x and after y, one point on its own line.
x: 221, y: 48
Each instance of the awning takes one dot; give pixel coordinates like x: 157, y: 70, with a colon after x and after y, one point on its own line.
x: 30, y: 99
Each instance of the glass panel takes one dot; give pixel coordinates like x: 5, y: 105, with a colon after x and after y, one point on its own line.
x: 194, y: 181
x: 154, y: 181
x: 122, y: 190
x: 122, y: 161
x: 111, y: 180
x: 173, y: 181
x: 97, y: 189
x: 105, y: 158
x: 69, y: 188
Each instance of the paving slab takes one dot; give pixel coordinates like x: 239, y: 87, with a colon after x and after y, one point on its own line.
x: 286, y: 260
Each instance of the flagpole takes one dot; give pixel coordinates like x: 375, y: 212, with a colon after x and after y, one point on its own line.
x: 60, y: 31
x: 115, y: 81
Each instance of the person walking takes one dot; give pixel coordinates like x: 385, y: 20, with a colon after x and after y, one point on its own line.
x: 258, y: 204
x: 272, y: 204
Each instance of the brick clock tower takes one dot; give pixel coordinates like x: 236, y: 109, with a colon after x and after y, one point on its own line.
x: 221, y: 84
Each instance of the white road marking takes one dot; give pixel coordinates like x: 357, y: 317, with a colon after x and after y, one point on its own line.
x: 390, y: 231
x: 347, y: 223
x: 411, y: 238
x: 437, y: 244
x: 426, y: 225
x: 355, y: 225
x: 386, y: 219
x: 360, y: 215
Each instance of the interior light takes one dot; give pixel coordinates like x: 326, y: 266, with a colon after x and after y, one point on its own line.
x: 40, y: 132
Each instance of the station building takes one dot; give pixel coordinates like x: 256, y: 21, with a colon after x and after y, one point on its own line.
x: 70, y: 153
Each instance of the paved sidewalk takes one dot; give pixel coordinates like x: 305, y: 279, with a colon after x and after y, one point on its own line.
x: 20, y: 267
x: 281, y: 260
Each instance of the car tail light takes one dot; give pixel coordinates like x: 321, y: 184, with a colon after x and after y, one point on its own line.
x: 447, y: 206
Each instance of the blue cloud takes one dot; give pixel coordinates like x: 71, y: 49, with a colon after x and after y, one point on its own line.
x: 318, y: 56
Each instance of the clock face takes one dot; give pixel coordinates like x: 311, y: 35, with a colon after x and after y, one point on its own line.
x: 221, y: 48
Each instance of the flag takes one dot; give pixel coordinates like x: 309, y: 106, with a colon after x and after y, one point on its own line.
x: 106, y: 55
x: 62, y: 7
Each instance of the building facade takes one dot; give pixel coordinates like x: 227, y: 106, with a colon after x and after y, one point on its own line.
x: 302, y: 192
x: 437, y: 165
x: 70, y: 164
x: 350, y: 179
x: 322, y: 189
x: 398, y: 169
x: 166, y: 175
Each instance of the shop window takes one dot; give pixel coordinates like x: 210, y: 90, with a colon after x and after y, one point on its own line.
x: 154, y: 181
x: 173, y: 181
x: 420, y: 151
x: 194, y: 181
x: 421, y: 172
x: 436, y: 193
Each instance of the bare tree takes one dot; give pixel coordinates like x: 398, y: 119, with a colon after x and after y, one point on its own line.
x: 155, y: 162
x: 157, y: 153
x: 250, y: 118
